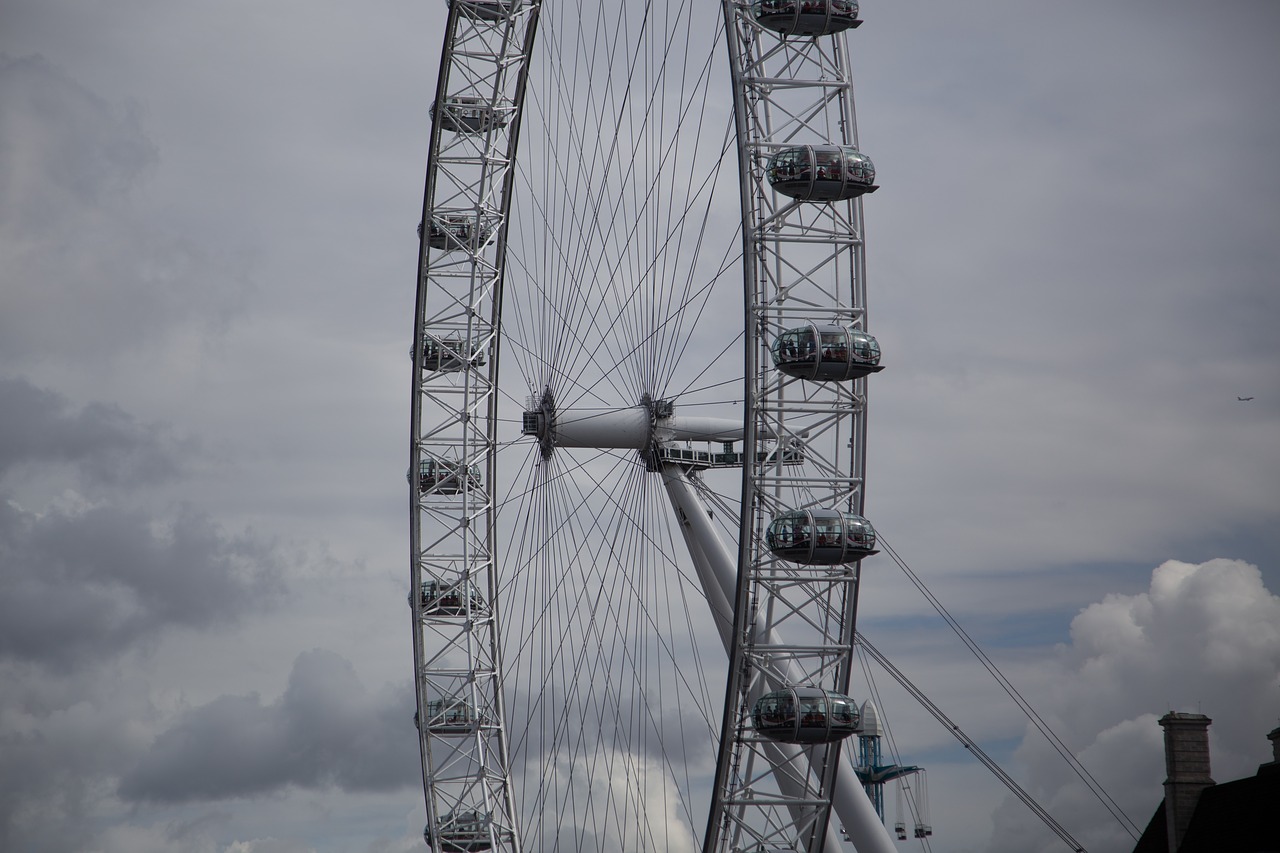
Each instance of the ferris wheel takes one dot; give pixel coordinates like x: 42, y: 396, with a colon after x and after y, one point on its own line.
x: 638, y: 429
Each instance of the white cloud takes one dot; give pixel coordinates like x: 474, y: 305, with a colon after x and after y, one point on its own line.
x: 639, y: 808
x: 1205, y: 638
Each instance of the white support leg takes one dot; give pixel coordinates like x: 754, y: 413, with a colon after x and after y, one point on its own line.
x: 716, y: 568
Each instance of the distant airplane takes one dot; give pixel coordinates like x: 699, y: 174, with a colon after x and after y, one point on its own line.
x: 1244, y: 399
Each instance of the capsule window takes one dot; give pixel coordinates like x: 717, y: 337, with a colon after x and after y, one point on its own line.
x: 451, y: 716
x: 789, y: 531
x: 451, y: 353
x: 820, y: 537
x: 821, y: 173
x: 813, y: 711
x: 451, y: 599
x: 858, y: 166
x: 865, y: 348
x: 487, y: 10
x: 827, y: 532
x: 835, y: 346
x: 859, y: 534
x: 826, y: 353
x: 446, y: 476
x: 807, y: 17
x: 828, y: 164
x: 794, y: 346
x: 461, y: 832
x: 805, y: 715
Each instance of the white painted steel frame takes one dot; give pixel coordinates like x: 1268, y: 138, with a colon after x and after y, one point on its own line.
x: 483, y: 63
x: 804, y: 262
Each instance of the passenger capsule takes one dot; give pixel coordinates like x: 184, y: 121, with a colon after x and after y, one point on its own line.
x: 821, y: 172
x: 438, y: 476
x: 806, y: 17
x: 452, y: 716
x: 461, y: 832
x: 437, y: 598
x: 821, y: 537
x: 485, y: 10
x: 448, y: 354
x: 450, y: 231
x: 822, y: 353
x: 805, y: 715
x: 469, y: 115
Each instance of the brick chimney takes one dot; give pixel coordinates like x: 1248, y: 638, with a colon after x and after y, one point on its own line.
x: 1186, y: 759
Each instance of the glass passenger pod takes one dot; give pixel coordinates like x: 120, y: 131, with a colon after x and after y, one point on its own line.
x: 451, y: 231
x: 452, y: 716
x: 449, y: 354
x: 821, y: 537
x: 805, y: 715
x: 806, y: 17
x: 438, y: 476
x: 460, y: 832
x: 821, y: 172
x: 464, y: 114
x: 460, y: 598
x: 824, y: 353
x: 486, y: 10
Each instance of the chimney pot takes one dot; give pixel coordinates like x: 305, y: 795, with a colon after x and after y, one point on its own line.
x: 1186, y: 760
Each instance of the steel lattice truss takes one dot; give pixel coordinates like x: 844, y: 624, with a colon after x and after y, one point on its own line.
x: 453, y: 582
x: 795, y: 624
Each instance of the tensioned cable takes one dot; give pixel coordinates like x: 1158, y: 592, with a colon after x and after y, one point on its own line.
x: 971, y: 745
x: 912, y: 805
x: 1030, y: 713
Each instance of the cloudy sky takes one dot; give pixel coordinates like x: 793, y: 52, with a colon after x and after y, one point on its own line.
x: 206, y: 289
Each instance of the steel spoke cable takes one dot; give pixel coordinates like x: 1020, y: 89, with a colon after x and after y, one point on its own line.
x: 653, y: 183
x: 586, y: 299
x: 700, y: 85
x: 706, y: 287
x: 609, y: 159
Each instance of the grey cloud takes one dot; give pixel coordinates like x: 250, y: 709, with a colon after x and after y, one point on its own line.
x: 80, y: 587
x: 274, y: 845
x: 106, y: 443
x: 326, y: 730
x: 87, y: 270
x: 65, y: 147
x: 62, y: 735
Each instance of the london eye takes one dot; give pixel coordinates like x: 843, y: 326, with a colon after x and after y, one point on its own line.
x: 640, y: 367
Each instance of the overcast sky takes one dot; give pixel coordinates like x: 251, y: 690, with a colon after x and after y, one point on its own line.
x: 206, y: 290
